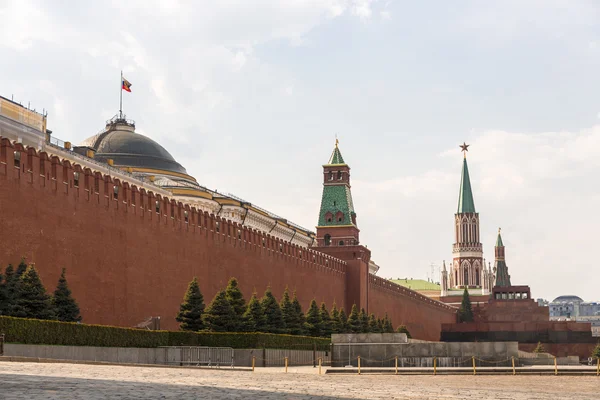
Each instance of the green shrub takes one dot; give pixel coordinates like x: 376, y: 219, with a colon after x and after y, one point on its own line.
x: 539, y: 348
x: 596, y: 351
x: 33, y: 331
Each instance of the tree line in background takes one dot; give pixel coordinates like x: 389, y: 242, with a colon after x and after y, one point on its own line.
x: 229, y: 312
x: 23, y: 295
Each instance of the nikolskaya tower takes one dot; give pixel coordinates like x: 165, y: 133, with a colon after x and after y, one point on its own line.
x: 467, y: 251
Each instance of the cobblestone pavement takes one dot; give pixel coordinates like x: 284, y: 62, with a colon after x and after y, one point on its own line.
x: 76, y: 381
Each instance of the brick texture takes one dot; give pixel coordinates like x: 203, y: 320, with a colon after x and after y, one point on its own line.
x: 126, y: 262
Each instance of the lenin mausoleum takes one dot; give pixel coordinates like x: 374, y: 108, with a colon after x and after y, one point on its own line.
x: 132, y: 228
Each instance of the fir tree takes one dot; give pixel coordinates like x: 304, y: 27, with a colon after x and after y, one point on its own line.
x: 192, y: 308
x: 344, y: 321
x: 21, y: 268
x: 539, y: 348
x: 287, y: 311
x: 32, y: 300
x: 596, y: 351
x: 404, y: 329
x: 336, y: 326
x: 387, y: 325
x: 220, y: 316
x: 65, y: 306
x: 273, y: 319
x: 298, y: 327
x: 313, y: 320
x: 380, y: 325
x: 326, y: 323
x: 373, y: 327
x: 11, y: 287
x: 364, y: 321
x: 3, y: 303
x: 354, y: 322
x: 465, y: 313
x: 238, y: 304
x: 254, y: 316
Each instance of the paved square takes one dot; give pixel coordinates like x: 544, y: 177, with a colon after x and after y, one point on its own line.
x: 73, y: 381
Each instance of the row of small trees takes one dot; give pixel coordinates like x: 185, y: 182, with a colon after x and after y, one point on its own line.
x: 228, y: 312
x: 23, y: 295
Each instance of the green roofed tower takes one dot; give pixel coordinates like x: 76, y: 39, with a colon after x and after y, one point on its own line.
x: 468, y: 267
x: 465, y: 195
x: 337, y: 231
x: 337, y: 219
x: 500, y: 268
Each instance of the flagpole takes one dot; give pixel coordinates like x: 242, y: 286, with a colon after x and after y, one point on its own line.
x: 121, y: 97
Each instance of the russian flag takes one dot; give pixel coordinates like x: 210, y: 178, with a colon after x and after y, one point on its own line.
x: 126, y: 85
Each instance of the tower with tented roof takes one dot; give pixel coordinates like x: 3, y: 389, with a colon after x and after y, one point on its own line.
x: 467, y: 251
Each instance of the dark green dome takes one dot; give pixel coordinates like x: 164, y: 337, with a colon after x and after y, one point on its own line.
x: 129, y: 149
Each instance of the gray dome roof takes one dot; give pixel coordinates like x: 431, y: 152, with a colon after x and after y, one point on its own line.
x: 129, y: 149
x: 567, y: 299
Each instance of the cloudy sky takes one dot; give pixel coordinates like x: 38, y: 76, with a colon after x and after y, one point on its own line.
x: 248, y: 96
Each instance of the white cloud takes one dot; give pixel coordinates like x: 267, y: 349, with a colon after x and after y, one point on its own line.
x: 222, y: 87
x: 362, y: 8
x: 540, y: 187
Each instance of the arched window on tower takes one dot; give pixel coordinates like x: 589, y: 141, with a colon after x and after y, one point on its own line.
x: 331, y: 176
x: 339, y: 216
x: 327, y: 239
x: 477, y: 277
x: 341, y: 243
x: 466, y: 282
x: 339, y: 175
x: 455, y: 278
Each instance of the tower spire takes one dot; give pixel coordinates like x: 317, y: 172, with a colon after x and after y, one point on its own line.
x: 465, y: 195
x: 467, y: 264
x: 337, y: 219
x: 502, y: 276
x: 336, y: 156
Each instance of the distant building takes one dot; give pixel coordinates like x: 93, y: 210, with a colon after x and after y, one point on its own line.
x: 566, y: 307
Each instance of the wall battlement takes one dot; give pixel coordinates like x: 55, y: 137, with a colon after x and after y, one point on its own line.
x: 130, y: 253
x: 60, y: 176
x: 384, y: 284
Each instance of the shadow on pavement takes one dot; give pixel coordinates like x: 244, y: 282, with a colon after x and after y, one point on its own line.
x: 31, y: 387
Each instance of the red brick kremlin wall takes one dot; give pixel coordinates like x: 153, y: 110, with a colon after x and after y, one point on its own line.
x: 421, y: 315
x: 126, y: 262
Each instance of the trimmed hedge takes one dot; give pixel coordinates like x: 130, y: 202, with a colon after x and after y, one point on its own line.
x: 34, y: 331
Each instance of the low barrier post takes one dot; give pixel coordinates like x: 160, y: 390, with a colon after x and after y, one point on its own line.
x: 253, y: 362
x: 286, y: 364
x: 555, y: 367
x: 435, y: 365
x: 597, y: 368
x: 320, y: 362
x: 396, y: 362
x: 2, y: 344
x: 513, y: 364
x: 359, y: 365
x: 474, y: 370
